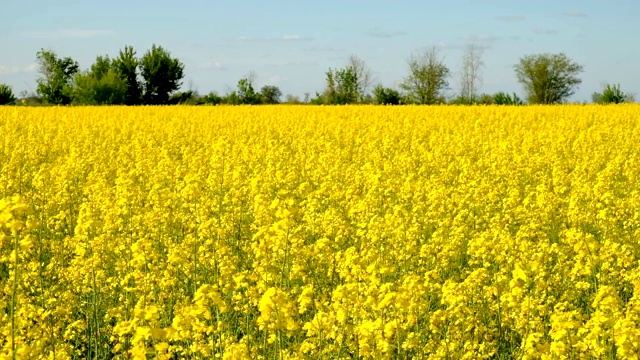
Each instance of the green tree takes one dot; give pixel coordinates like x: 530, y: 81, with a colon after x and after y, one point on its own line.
x: 270, y: 94
x: 246, y: 93
x: 427, y: 78
x: 548, y: 78
x: 363, y: 75
x: 162, y: 75
x: 611, y: 94
x: 502, y: 98
x: 127, y: 66
x: 101, y: 85
x: 342, y: 86
x: 6, y: 95
x: 189, y: 97
x: 212, y: 98
x: 55, y: 82
x: 386, y: 96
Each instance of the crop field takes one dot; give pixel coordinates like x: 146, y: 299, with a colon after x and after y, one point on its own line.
x: 293, y: 232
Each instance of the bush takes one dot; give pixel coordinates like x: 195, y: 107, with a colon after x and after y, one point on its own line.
x: 611, y: 94
x: 503, y: 98
x: 6, y: 95
x: 386, y: 96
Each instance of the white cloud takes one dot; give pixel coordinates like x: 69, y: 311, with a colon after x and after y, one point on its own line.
x: 8, y: 70
x: 292, y: 37
x: 68, y: 33
x: 511, y: 18
x: 441, y: 45
x: 545, y: 31
x: 215, y: 65
x: 482, y: 39
x: 276, y: 80
x: 323, y: 49
x: 379, y: 33
x: 292, y: 63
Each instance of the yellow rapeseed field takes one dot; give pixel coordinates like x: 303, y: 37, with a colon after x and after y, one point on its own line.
x: 293, y: 232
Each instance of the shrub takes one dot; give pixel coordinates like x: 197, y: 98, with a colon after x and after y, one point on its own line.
x: 6, y: 95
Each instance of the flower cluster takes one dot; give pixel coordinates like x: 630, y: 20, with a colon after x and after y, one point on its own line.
x: 327, y: 232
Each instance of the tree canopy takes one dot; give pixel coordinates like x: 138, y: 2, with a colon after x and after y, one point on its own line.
x: 162, y: 75
x: 548, y: 78
x: 427, y: 78
x: 55, y: 81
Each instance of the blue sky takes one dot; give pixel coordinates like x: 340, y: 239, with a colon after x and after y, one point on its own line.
x: 291, y: 44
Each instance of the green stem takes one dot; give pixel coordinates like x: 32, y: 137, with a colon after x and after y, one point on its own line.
x: 14, y: 290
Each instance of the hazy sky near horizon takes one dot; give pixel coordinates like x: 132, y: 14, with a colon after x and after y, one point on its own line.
x: 291, y: 44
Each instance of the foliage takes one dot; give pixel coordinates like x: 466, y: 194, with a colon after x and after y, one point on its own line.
x: 386, y: 96
x: 611, y: 94
x: 31, y: 99
x: 270, y: 94
x: 320, y: 232
x: 486, y: 99
x: 127, y: 65
x: 212, y: 99
x: 342, y: 86
x: 292, y: 100
x: 246, y: 93
x: 548, y: 78
x: 427, y: 78
x: 459, y: 100
x: 189, y: 97
x: 6, y: 95
x: 162, y: 75
x: 56, y: 74
x: 101, y: 85
x: 502, y: 98
x: 363, y: 77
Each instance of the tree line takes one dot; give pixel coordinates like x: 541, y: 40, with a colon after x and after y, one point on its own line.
x: 155, y: 78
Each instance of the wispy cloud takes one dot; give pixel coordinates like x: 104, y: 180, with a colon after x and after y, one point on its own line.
x: 8, y: 70
x: 481, y: 39
x: 441, y: 45
x: 68, y: 33
x: 276, y: 80
x: 323, y: 49
x: 379, y: 33
x: 511, y: 18
x: 212, y: 65
x: 293, y: 63
x: 576, y: 14
x: 545, y: 31
x: 290, y: 37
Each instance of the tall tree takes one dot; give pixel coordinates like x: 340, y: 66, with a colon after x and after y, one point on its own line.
x: 342, y: 86
x: 101, y: 85
x: 162, y: 75
x: 270, y: 94
x: 127, y: 66
x: 246, y: 93
x: 363, y: 75
x: 6, y: 95
x: 54, y: 84
x: 470, y: 76
x: 427, y: 78
x: 548, y: 78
